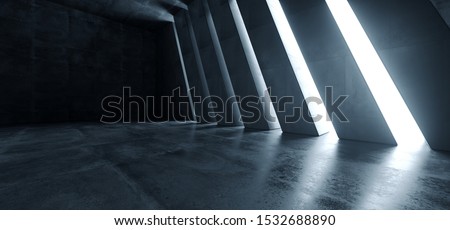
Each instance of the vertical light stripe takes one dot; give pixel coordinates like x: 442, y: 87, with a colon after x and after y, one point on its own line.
x: 255, y: 69
x: 183, y: 67
x: 301, y: 70
x: 235, y: 112
x: 394, y: 109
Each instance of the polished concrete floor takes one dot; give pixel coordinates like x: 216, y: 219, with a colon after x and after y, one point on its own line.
x: 188, y: 166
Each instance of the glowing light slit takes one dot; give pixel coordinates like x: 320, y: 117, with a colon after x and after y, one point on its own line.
x: 394, y: 109
x: 298, y: 63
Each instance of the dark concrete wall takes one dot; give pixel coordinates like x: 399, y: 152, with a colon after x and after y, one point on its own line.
x: 332, y: 64
x: 413, y: 41
x: 56, y: 63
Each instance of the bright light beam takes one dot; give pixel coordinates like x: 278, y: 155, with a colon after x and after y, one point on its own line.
x: 397, y: 115
x: 301, y: 70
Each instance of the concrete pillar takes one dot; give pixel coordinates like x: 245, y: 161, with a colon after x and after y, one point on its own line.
x: 443, y: 7
x: 276, y: 67
x: 219, y: 83
x: 332, y: 65
x: 414, y: 44
x: 194, y: 67
x: 256, y: 107
x: 183, y: 69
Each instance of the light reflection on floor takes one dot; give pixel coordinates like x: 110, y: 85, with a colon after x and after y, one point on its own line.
x: 189, y: 166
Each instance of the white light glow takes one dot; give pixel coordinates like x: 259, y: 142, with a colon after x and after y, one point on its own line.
x: 298, y: 63
x: 255, y: 69
x: 397, y: 115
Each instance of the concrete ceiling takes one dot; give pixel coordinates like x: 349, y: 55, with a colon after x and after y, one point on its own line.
x: 143, y: 13
x: 152, y: 13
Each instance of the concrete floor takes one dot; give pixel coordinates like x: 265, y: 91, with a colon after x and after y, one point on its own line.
x: 188, y: 166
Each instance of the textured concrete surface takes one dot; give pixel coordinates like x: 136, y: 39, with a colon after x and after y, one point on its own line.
x: 170, y: 78
x: 217, y: 77
x: 414, y: 44
x: 194, y: 66
x: 276, y: 67
x: 331, y: 64
x: 443, y: 7
x: 141, y: 13
x: 246, y: 83
x: 57, y: 63
x: 188, y: 166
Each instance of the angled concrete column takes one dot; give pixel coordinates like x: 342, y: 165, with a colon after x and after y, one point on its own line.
x: 256, y: 107
x: 443, y: 7
x: 194, y: 67
x: 292, y: 109
x: 219, y: 84
x: 183, y: 69
x: 414, y: 44
x: 171, y: 78
x: 332, y: 65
